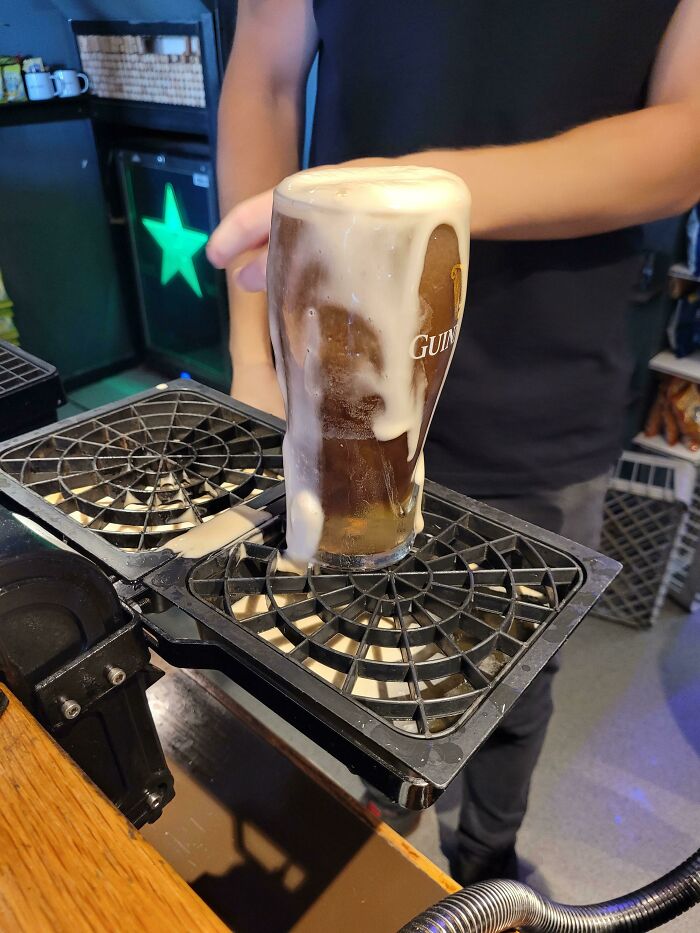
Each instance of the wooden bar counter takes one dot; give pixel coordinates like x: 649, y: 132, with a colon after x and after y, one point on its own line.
x: 254, y: 831
x: 69, y: 861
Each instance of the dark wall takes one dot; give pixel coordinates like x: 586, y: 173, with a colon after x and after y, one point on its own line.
x: 55, y: 244
x: 56, y: 251
x: 36, y: 27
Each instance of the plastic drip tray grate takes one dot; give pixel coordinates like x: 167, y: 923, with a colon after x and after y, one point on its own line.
x: 121, y: 481
x: 30, y: 391
x: 419, y: 644
x: 402, y: 673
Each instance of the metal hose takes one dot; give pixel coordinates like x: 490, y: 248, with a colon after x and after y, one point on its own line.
x: 497, y: 906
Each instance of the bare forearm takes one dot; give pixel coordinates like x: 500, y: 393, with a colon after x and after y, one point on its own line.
x: 602, y: 176
x: 259, y: 120
x: 258, y: 130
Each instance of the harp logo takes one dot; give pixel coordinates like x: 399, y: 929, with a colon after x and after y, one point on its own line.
x: 456, y: 276
x: 431, y: 344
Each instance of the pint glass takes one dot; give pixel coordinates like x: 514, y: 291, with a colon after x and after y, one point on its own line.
x: 366, y: 286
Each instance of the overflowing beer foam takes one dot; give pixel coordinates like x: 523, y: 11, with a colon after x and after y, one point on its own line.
x: 219, y: 531
x: 419, y: 480
x: 369, y: 228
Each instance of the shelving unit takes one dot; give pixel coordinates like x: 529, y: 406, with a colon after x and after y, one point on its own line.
x: 45, y: 111
x: 658, y: 445
x: 159, y: 117
x: 687, y: 367
x: 684, y: 563
x: 681, y: 271
x: 162, y: 117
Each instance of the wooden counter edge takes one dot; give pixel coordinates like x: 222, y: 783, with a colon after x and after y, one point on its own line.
x: 68, y: 859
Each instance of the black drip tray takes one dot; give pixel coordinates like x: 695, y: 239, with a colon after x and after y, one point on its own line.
x: 121, y: 481
x: 402, y: 673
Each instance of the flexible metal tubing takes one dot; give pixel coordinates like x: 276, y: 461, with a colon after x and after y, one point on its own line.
x: 497, y: 906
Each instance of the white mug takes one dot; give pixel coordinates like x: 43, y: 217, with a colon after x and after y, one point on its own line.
x: 68, y: 82
x: 40, y: 85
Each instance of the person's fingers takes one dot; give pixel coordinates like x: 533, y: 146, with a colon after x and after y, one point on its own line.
x: 251, y: 277
x: 245, y: 227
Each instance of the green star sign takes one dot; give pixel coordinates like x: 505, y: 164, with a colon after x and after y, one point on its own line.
x: 178, y: 242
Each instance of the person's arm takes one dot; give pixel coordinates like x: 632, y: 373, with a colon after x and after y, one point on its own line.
x: 260, y: 116
x: 604, y: 175
x: 612, y: 173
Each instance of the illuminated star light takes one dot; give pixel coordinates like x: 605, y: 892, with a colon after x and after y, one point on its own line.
x: 178, y: 242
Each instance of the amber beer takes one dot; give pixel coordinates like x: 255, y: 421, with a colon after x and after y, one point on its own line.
x: 366, y: 288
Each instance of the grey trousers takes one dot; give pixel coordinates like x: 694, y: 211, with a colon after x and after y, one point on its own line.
x: 497, y: 778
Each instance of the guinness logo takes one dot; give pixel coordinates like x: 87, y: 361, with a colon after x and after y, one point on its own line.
x: 426, y: 345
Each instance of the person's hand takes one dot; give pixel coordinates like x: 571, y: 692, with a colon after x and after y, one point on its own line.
x: 246, y: 228
x: 256, y: 384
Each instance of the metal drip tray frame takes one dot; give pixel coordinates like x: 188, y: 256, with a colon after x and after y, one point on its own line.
x: 494, y: 604
x: 175, y: 445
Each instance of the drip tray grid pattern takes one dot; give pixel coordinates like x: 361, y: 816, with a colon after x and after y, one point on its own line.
x: 401, y: 674
x: 418, y: 645
x: 128, y: 478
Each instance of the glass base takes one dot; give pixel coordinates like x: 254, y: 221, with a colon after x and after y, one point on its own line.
x: 359, y: 562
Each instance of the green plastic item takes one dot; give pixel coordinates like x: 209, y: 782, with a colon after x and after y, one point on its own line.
x: 8, y: 330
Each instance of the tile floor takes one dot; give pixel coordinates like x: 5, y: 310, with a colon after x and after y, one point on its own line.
x: 615, y: 801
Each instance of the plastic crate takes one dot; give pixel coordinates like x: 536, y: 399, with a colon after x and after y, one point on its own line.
x: 685, y: 574
x: 30, y: 391
x: 645, y: 513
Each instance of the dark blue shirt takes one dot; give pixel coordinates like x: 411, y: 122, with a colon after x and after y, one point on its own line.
x: 536, y: 390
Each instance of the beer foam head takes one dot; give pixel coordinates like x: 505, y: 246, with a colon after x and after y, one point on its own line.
x: 386, y: 189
